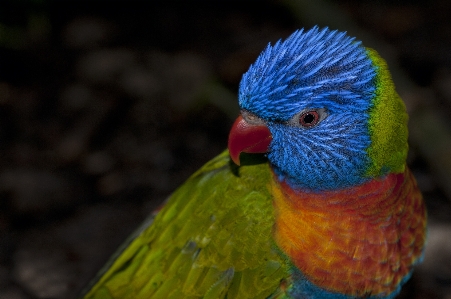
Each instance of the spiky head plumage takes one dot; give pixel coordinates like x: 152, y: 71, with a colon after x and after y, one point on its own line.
x: 308, y: 68
x: 324, y: 69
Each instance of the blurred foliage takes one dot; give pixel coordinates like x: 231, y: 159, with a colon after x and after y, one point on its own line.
x: 23, y: 22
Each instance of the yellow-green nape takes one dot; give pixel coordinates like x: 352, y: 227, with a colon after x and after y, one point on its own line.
x: 387, y: 124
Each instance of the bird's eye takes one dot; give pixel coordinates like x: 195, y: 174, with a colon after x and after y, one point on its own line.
x: 309, y: 118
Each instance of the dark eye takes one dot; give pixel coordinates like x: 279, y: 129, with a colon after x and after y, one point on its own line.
x: 309, y: 118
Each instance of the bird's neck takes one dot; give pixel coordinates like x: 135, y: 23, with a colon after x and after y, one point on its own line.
x: 359, y: 240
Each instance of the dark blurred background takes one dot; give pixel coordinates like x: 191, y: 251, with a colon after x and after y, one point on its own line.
x: 107, y: 106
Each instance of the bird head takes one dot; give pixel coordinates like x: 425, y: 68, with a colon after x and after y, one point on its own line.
x: 324, y: 110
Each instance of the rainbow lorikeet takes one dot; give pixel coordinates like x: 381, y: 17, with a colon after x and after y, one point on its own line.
x: 332, y: 212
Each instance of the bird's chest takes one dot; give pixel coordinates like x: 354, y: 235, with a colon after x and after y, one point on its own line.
x: 357, y: 241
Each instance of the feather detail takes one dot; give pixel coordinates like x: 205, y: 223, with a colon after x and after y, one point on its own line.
x: 212, y: 239
x: 314, y: 64
x: 360, y: 241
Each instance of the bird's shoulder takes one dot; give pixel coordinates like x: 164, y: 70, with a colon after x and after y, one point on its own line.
x: 211, y: 238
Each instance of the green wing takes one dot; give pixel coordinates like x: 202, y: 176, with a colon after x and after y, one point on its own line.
x: 211, y: 240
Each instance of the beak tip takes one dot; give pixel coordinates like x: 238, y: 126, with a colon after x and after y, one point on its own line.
x: 235, y: 159
x: 234, y: 152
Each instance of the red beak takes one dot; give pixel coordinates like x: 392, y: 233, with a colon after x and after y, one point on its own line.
x: 247, y: 138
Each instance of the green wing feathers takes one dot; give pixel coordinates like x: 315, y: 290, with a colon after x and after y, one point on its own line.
x: 211, y: 239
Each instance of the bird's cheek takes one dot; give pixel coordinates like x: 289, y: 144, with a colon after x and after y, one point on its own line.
x: 247, y: 138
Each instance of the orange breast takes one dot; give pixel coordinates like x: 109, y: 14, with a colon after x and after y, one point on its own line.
x: 357, y: 241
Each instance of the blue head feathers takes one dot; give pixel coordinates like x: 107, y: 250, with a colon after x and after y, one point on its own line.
x: 308, y: 68
x: 319, y: 70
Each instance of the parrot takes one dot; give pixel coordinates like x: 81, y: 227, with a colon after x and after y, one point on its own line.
x: 311, y: 199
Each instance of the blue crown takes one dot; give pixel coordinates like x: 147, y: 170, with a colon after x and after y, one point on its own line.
x: 306, y: 69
